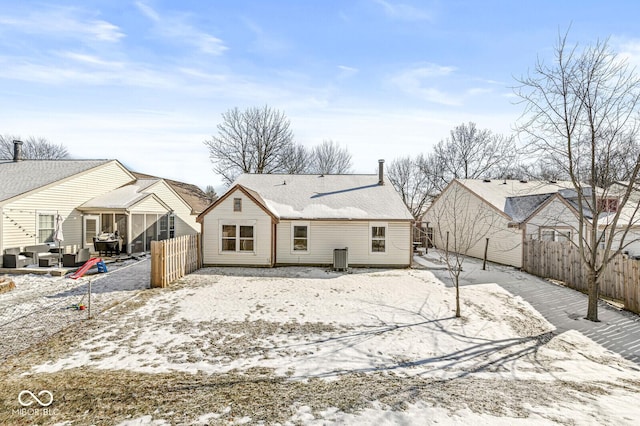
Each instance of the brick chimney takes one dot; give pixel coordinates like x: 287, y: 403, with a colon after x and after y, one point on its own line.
x: 17, y: 151
x: 380, y: 172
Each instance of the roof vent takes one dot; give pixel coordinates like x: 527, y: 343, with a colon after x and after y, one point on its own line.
x: 523, y: 180
x: 486, y: 180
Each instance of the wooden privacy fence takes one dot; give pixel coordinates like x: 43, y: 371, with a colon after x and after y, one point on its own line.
x: 173, y: 259
x: 561, y: 261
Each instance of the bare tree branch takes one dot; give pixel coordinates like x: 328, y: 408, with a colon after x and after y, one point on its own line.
x: 581, y: 115
x: 412, y: 178
x: 257, y: 140
x: 329, y: 158
x: 471, y: 153
x: 33, y: 148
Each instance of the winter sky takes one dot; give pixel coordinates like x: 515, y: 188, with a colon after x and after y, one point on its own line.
x: 146, y: 82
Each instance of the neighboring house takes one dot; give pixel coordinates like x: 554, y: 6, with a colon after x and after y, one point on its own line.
x: 92, y: 196
x: 493, y: 209
x: 276, y: 219
x: 195, y: 197
x: 627, y: 226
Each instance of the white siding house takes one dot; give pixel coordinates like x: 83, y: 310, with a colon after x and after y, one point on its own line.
x: 268, y: 220
x: 239, y: 233
x: 91, y: 196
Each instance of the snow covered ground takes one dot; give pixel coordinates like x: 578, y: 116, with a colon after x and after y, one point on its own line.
x: 40, y: 305
x: 501, y: 363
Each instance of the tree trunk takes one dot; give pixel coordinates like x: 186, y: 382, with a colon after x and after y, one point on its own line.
x: 592, y: 309
x: 457, y: 297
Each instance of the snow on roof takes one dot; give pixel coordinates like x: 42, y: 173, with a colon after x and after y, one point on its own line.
x: 123, y: 197
x: 20, y: 177
x: 496, y: 192
x: 327, y: 196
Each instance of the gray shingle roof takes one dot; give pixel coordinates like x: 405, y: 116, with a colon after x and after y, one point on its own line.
x: 327, y: 197
x: 20, y: 177
x: 496, y: 192
x: 191, y: 194
x: 520, y: 208
x: 123, y: 197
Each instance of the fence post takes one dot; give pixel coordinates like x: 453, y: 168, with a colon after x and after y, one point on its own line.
x: 156, y: 265
x: 484, y: 262
x: 89, y: 302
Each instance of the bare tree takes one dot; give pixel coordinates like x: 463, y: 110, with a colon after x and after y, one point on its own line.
x: 413, y: 180
x: 256, y: 140
x: 296, y: 159
x: 461, y: 226
x: 471, y: 153
x: 210, y: 192
x: 33, y: 148
x: 581, y: 113
x: 330, y: 158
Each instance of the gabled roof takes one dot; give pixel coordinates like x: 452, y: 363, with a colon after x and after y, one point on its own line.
x: 326, y: 196
x: 253, y: 195
x: 122, y: 198
x: 513, y: 197
x: 520, y: 208
x: 20, y: 177
x: 191, y: 194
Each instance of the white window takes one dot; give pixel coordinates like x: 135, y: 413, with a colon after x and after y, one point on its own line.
x: 378, y: 238
x: 46, y: 227
x: 237, y: 204
x: 547, y: 234
x: 300, y: 237
x: 172, y: 226
x: 237, y: 238
x: 563, y: 236
x: 228, y: 237
x: 246, y: 238
x: 560, y: 235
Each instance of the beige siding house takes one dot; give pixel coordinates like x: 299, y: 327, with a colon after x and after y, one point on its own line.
x: 268, y: 220
x: 471, y: 211
x: 557, y: 220
x: 91, y: 196
x: 554, y: 220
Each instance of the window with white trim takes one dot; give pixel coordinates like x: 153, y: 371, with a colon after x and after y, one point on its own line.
x: 246, y: 238
x: 46, y: 227
x: 228, y: 237
x: 378, y: 239
x: 172, y: 226
x: 237, y: 204
x: 300, y: 237
x: 550, y: 234
x: 237, y: 238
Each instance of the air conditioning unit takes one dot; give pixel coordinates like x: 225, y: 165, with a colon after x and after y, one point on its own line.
x: 340, y: 259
